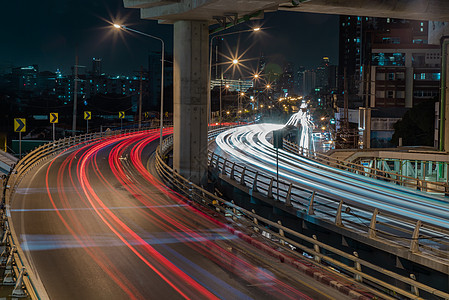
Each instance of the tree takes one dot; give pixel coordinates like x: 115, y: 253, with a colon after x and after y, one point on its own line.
x: 417, y: 126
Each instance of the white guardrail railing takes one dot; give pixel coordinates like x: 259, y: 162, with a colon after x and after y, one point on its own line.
x: 18, y: 272
x: 411, y: 182
x: 360, y: 270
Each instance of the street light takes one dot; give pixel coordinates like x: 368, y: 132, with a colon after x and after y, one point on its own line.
x: 118, y: 26
x: 255, y: 29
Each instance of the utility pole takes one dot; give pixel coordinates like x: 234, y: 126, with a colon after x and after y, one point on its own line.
x: 140, y: 98
x: 345, y: 105
x: 75, y: 97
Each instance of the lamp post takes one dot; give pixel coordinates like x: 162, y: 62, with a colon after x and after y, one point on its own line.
x: 256, y: 29
x: 162, y: 74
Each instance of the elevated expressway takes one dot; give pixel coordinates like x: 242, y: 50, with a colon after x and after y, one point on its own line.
x: 191, y: 21
x: 90, y: 221
x: 404, y: 224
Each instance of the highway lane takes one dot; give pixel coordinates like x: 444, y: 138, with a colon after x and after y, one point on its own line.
x: 95, y: 224
x: 249, y: 145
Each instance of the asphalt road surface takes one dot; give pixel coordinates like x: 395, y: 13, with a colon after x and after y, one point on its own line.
x: 94, y: 223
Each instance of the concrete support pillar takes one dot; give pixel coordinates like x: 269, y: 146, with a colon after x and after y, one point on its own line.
x: 190, y: 82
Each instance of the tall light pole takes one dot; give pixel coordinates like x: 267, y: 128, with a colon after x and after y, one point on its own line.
x: 162, y: 72
x: 75, y: 97
x: 256, y: 29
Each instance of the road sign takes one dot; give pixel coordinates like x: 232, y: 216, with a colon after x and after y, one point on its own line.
x: 147, y: 115
x: 121, y: 115
x: 87, y: 115
x: 54, y: 118
x: 19, y: 125
x: 166, y: 114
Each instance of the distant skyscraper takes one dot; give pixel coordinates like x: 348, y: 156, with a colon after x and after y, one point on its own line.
x: 262, y: 63
x: 287, y: 79
x: 299, y: 80
x: 96, y: 66
x: 309, y: 82
x: 322, y: 74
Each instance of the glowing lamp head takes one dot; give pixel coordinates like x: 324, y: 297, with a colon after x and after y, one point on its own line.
x: 235, y: 61
x: 256, y: 28
x: 117, y: 26
x: 256, y: 75
x: 242, y: 94
x: 268, y: 86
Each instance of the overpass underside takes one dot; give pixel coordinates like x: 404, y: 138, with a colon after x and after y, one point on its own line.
x: 191, y: 67
x: 171, y: 11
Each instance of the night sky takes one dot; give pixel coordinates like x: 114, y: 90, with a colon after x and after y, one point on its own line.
x: 50, y: 33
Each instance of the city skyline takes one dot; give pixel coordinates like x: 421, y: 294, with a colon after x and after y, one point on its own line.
x: 54, y: 41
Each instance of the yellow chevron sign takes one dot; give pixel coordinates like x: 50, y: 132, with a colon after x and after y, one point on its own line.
x: 54, y: 118
x: 19, y: 125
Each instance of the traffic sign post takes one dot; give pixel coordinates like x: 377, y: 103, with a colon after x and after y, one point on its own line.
x: 54, y: 118
x: 87, y: 117
x: 121, y: 115
x: 20, y: 126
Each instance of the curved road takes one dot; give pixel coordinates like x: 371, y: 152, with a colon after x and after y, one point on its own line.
x: 95, y: 224
x: 249, y: 145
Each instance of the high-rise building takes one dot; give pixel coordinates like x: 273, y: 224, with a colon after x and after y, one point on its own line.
x: 356, y: 41
x: 405, y: 71
x: 286, y: 82
x: 299, y: 80
x: 309, y: 80
x: 333, y: 76
x: 96, y: 67
x: 322, y: 74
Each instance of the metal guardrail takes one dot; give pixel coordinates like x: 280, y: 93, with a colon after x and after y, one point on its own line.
x: 344, y: 213
x: 19, y: 273
x: 356, y: 267
x: 399, y: 179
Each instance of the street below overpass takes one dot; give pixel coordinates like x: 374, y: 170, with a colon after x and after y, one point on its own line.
x: 95, y: 223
